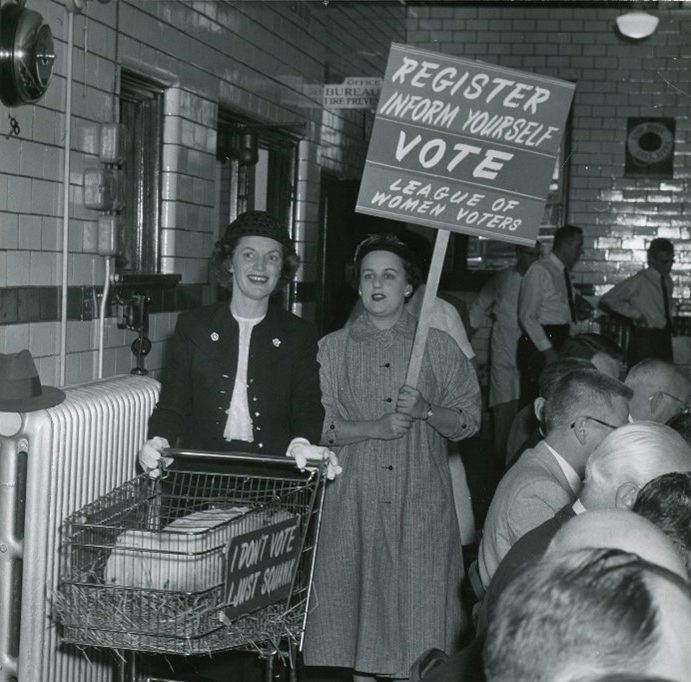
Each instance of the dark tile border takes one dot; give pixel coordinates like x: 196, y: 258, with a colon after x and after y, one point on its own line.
x: 20, y: 305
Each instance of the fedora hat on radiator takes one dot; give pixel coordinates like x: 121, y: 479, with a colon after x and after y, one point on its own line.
x: 20, y: 385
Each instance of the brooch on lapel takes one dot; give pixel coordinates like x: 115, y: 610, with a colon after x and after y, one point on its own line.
x: 214, y: 336
x: 276, y: 342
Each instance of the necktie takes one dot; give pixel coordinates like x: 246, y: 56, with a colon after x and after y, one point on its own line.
x: 569, y: 295
x: 665, y: 302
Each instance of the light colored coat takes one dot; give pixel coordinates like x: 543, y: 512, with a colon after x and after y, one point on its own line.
x: 389, y: 565
x: 529, y: 493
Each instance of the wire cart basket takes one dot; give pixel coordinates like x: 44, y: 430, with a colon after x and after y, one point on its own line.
x: 216, y: 554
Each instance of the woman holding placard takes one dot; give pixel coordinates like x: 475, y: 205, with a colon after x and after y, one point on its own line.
x: 389, y: 566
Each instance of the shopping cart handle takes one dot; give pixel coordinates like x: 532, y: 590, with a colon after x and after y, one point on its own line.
x: 245, y: 457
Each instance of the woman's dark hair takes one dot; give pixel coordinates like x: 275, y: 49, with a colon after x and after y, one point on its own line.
x: 258, y: 224
x: 391, y: 243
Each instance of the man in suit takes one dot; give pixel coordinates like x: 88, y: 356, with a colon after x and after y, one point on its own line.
x: 660, y: 391
x: 626, y: 461
x: 585, y: 407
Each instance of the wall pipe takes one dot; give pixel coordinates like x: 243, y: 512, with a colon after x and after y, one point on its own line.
x: 102, y: 317
x: 66, y: 199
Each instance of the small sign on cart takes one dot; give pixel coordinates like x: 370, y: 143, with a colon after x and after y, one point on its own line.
x: 260, y: 566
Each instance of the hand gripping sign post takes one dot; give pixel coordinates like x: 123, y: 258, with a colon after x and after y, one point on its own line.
x: 461, y: 146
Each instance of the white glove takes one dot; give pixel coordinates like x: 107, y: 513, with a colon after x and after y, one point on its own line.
x: 301, y: 450
x: 150, y: 458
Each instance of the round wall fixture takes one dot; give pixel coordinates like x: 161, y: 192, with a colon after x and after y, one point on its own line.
x: 26, y: 55
x: 650, y: 142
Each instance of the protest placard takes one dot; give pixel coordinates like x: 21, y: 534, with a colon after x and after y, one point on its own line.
x: 260, y: 566
x: 463, y: 145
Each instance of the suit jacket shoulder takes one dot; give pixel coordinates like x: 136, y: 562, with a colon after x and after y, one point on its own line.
x: 539, y: 463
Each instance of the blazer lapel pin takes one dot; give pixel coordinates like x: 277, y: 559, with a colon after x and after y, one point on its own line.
x: 214, y: 336
x: 276, y: 342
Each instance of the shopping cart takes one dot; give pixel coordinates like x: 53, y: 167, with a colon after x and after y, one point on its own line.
x: 216, y: 554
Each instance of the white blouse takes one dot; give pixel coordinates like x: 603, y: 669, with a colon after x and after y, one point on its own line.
x: 239, y: 423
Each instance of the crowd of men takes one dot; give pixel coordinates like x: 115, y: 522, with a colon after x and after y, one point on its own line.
x: 584, y: 557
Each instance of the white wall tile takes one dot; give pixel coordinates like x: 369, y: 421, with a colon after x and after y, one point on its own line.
x: 42, y: 269
x: 43, y: 338
x: 14, y: 337
x: 18, y: 269
x: 9, y: 231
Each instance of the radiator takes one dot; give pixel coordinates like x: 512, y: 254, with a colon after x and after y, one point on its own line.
x: 52, y: 462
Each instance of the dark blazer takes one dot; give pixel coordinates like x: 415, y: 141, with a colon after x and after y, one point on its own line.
x: 464, y: 666
x: 282, y: 375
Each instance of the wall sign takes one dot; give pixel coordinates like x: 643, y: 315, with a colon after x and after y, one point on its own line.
x: 464, y: 146
x: 650, y: 147
x: 353, y: 93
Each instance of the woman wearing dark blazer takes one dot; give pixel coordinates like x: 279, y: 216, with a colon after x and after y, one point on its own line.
x: 243, y: 375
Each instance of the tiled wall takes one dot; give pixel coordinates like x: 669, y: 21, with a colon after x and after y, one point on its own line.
x: 261, y: 60
x: 257, y: 59
x: 615, y: 79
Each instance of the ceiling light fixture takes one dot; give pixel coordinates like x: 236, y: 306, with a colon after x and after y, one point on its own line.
x: 637, y: 25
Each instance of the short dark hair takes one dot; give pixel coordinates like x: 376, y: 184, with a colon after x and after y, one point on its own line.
x: 593, y: 606
x: 666, y: 502
x: 582, y: 388
x: 586, y: 345
x: 391, y: 243
x: 557, y: 370
x: 566, y: 233
x: 660, y: 245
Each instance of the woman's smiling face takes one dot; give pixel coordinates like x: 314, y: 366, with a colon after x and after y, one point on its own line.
x: 256, y: 265
x: 383, y: 287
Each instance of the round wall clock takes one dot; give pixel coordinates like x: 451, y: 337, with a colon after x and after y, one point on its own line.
x: 26, y: 55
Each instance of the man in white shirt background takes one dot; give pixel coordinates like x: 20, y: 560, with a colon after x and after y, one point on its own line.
x: 646, y: 299
x: 498, y: 300
x: 547, y: 308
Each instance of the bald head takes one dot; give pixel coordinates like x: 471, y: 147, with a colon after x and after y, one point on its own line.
x: 660, y: 391
x: 617, y: 529
x: 587, y: 613
x: 629, y: 458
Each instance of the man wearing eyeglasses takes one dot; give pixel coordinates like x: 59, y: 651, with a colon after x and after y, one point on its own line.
x: 624, y: 463
x: 584, y: 408
x: 646, y: 299
x: 660, y: 391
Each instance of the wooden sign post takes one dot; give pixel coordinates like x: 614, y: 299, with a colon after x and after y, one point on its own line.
x: 415, y: 363
x: 462, y: 146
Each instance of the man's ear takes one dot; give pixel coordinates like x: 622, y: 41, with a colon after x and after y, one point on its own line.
x: 625, y: 495
x: 539, y: 408
x: 655, y: 400
x: 579, y: 430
